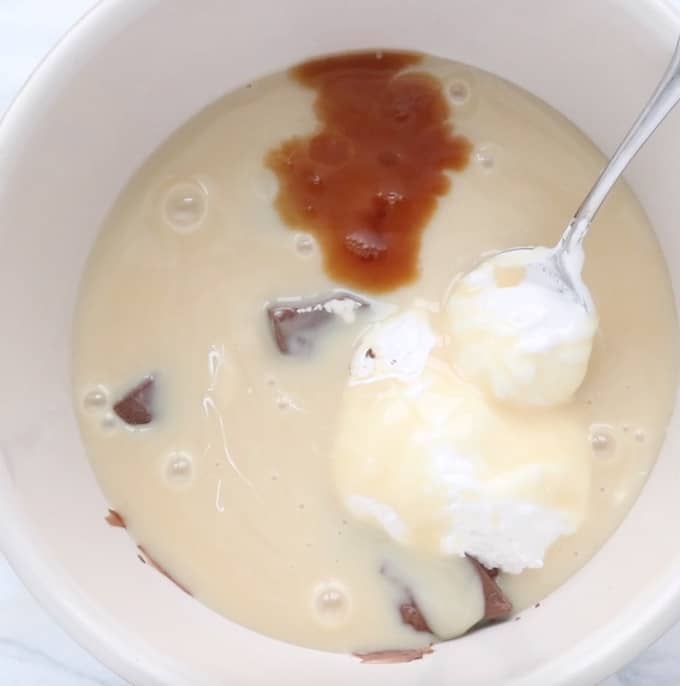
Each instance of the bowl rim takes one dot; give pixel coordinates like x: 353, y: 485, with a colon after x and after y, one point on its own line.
x: 25, y: 558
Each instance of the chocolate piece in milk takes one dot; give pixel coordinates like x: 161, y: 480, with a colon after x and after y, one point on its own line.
x: 390, y: 657
x: 408, y: 609
x: 496, y: 603
x: 135, y: 408
x: 147, y: 558
x: 116, y: 520
x: 411, y: 615
x: 295, y: 323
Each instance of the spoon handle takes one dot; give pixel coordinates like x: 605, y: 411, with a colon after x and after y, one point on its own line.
x: 662, y: 101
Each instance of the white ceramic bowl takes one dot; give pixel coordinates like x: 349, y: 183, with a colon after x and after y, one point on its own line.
x: 116, y: 86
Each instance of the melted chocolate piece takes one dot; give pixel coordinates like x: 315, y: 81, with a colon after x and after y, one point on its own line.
x: 162, y: 570
x: 136, y: 407
x: 496, y: 604
x: 409, y: 610
x: 295, y: 323
x: 115, y: 519
x: 411, y: 615
x: 391, y: 657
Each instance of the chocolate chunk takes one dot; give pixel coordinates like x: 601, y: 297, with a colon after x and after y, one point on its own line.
x: 295, y: 323
x: 390, y: 657
x: 136, y: 407
x: 115, y: 519
x: 411, y: 615
x: 409, y: 610
x: 163, y: 571
x: 496, y: 604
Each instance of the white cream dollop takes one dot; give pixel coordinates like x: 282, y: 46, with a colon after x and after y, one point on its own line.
x: 429, y: 459
x: 398, y: 347
x: 522, y: 342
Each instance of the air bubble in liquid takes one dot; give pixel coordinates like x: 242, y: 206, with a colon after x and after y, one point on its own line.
x: 332, y: 604
x: 602, y: 441
x: 486, y: 156
x: 304, y: 244
x: 640, y: 435
x: 179, y: 468
x: 185, y: 206
x: 109, y: 421
x: 458, y: 91
x: 96, y: 399
x: 286, y: 402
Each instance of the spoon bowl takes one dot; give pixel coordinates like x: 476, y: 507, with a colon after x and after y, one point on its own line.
x: 560, y: 269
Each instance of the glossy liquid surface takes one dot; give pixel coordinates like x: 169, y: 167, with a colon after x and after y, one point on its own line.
x: 229, y: 487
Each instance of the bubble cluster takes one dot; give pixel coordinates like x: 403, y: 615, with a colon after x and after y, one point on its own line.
x: 458, y: 91
x: 304, y: 244
x: 185, y: 206
x: 602, y: 440
x: 332, y: 604
x: 179, y: 468
x: 109, y: 421
x: 486, y: 156
x: 96, y: 399
x: 285, y: 402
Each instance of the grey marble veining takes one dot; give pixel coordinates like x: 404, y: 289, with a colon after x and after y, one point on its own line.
x: 34, y: 650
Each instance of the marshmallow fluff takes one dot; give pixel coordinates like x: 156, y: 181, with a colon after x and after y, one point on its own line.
x: 328, y: 487
x: 522, y: 341
x: 398, y: 347
x: 442, y: 469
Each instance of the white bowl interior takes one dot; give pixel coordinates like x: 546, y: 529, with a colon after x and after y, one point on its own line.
x: 120, y: 83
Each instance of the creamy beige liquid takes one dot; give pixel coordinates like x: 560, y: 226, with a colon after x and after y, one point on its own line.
x: 231, y: 489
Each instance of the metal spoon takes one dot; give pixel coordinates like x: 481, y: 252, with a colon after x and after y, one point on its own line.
x: 560, y: 268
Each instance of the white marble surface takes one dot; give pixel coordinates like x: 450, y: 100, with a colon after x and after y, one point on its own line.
x: 34, y: 651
